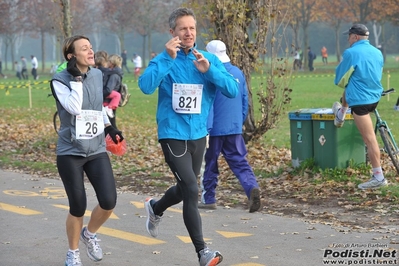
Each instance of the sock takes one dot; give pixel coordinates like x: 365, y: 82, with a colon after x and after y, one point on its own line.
x: 377, y: 173
x: 89, y: 234
x: 342, y: 112
x: 73, y: 250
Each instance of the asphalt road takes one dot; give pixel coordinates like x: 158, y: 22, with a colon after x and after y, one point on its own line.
x: 32, y: 232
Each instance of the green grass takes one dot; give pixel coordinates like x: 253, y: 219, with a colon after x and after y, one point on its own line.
x: 309, y: 90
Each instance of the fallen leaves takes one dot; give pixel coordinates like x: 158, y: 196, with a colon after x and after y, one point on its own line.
x: 28, y: 144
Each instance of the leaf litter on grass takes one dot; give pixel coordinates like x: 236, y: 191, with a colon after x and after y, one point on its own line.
x: 142, y: 170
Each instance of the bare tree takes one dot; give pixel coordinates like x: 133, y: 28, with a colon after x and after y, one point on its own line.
x: 152, y: 16
x: 248, y: 27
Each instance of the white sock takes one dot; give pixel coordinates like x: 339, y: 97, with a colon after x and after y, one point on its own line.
x: 73, y: 250
x: 342, y: 112
x: 377, y: 173
x: 88, y: 233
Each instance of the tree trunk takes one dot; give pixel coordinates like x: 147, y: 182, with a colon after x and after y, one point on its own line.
x: 66, y: 11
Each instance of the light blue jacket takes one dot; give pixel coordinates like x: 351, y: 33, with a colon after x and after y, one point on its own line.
x: 163, y: 71
x: 360, y: 73
x: 228, y: 114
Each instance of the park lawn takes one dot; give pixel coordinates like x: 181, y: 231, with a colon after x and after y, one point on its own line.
x: 309, y: 90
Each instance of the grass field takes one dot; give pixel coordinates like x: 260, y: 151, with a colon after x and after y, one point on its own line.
x: 309, y: 90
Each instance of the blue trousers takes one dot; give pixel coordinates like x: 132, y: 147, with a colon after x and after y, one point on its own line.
x: 234, y: 151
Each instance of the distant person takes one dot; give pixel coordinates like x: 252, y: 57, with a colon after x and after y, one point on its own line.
x: 360, y: 74
x: 138, y: 64
x: 34, y: 67
x: 324, y: 55
x: 18, y: 70
x: 311, y: 58
x: 153, y: 55
x: 124, y: 61
x: 24, y: 68
x: 1, y: 70
x: 297, y: 60
x: 225, y: 122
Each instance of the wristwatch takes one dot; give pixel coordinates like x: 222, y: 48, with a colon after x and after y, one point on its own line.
x: 78, y: 79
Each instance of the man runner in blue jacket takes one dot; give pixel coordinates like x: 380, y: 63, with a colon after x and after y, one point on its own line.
x: 360, y: 73
x: 187, y: 80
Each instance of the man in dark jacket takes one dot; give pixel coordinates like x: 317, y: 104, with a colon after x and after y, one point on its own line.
x: 311, y: 58
x: 225, y: 122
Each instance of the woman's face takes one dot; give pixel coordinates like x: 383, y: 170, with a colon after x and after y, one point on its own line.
x: 84, y: 54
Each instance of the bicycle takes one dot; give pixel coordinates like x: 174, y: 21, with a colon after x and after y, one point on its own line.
x: 390, y: 145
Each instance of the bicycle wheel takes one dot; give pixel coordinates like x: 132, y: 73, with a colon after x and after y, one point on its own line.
x: 56, y: 122
x: 389, y: 147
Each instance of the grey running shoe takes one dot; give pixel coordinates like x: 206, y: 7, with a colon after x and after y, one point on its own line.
x: 254, y: 200
x: 337, y: 122
x: 153, y: 220
x: 93, y: 249
x: 373, y: 183
x: 209, y: 206
x: 209, y: 257
x: 73, y: 259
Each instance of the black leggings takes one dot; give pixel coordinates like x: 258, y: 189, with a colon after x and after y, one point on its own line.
x: 98, y: 170
x: 184, y: 159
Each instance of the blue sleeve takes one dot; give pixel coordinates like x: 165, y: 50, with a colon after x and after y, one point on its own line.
x: 244, y: 101
x: 155, y: 72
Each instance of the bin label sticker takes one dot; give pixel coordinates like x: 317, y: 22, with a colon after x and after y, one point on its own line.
x: 322, y: 140
x: 298, y: 124
x: 299, y: 137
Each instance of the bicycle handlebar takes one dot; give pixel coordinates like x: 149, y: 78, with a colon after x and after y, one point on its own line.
x: 387, y: 91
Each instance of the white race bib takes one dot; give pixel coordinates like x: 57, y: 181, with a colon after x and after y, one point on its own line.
x: 187, y: 98
x: 89, y: 124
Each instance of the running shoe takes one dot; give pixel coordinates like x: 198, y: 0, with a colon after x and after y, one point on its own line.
x: 93, y: 249
x: 254, y: 200
x: 373, y: 183
x: 73, y: 259
x: 209, y: 257
x: 337, y: 122
x: 109, y: 111
x: 153, y: 220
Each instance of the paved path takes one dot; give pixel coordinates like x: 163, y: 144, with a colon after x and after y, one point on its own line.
x: 32, y: 232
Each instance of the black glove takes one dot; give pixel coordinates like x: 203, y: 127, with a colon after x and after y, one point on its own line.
x: 112, y: 132
x: 72, y: 69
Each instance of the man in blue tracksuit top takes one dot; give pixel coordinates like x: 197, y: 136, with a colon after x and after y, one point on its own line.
x: 360, y: 73
x: 187, y: 80
x: 225, y: 136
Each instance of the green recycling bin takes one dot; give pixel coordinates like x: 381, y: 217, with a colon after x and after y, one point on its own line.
x: 335, y: 147
x: 301, y: 135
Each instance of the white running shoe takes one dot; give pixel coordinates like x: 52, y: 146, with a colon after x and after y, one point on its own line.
x: 109, y: 111
x: 73, y: 259
x: 93, y: 249
x: 153, y: 220
x: 337, y: 122
x: 373, y: 183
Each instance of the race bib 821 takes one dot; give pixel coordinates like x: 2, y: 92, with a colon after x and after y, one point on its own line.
x: 187, y: 98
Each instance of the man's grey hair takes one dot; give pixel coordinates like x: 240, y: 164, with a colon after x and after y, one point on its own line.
x: 178, y: 13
